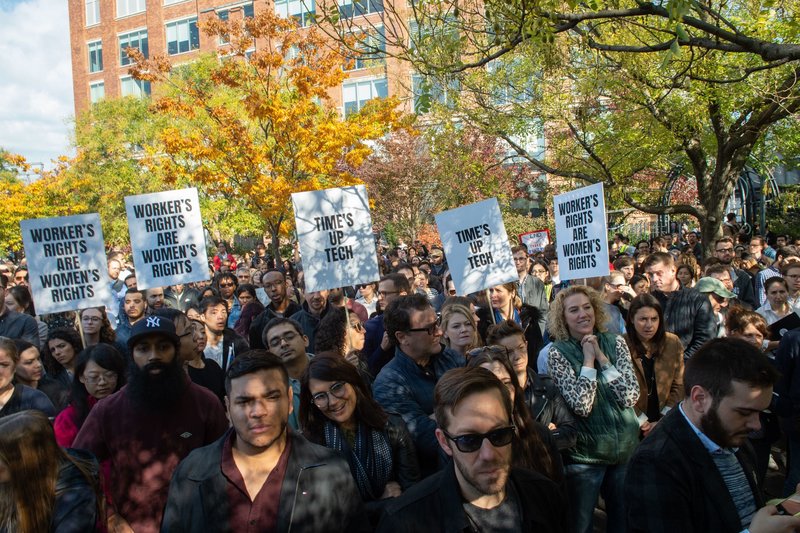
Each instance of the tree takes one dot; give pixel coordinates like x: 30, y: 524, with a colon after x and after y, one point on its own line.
x: 257, y: 126
x: 621, y: 89
x: 411, y: 176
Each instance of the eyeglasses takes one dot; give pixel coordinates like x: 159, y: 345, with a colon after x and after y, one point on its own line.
x: 274, y: 342
x: 358, y: 326
x: 471, y: 442
x: 91, y: 319
x: 226, y: 285
x: 429, y: 329
x: 387, y: 293
x: 97, y: 378
x: 724, y: 250
x: 323, y: 399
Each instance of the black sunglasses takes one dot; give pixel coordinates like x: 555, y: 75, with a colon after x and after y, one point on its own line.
x: 471, y: 442
x: 430, y: 330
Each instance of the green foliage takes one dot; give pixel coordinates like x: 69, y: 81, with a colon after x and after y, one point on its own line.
x: 783, y: 212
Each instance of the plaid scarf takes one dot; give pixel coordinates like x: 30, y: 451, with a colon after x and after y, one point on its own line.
x: 370, y: 457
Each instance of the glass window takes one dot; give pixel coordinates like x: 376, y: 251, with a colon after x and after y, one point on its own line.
x: 95, y: 56
x: 170, y: 2
x: 357, y: 93
x: 429, y: 91
x: 369, y: 57
x: 248, y: 11
x: 97, y: 91
x: 130, y: 7
x: 182, y: 36
x: 130, y: 86
x: 92, y: 12
x: 354, y: 8
x: 301, y: 10
x: 134, y: 39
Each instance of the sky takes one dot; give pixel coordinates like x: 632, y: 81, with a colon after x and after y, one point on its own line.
x: 36, y: 105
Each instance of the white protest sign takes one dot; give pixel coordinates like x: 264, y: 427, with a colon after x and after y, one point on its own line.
x: 476, y: 244
x: 167, y: 238
x: 67, y: 267
x: 334, y: 228
x: 581, y: 233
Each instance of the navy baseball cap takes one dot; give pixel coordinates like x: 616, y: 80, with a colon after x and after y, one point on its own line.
x: 152, y: 325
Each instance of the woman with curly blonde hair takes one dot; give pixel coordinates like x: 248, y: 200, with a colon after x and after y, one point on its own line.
x: 592, y: 368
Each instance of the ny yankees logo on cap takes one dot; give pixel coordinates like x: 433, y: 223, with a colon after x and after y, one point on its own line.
x: 153, y: 322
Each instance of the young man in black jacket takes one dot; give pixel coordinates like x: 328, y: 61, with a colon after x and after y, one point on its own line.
x: 261, y: 476
x: 478, y: 490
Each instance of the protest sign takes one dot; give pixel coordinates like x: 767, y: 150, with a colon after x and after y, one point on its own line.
x: 535, y: 241
x: 581, y: 233
x: 476, y: 244
x: 334, y: 228
x: 66, y: 263
x: 167, y: 238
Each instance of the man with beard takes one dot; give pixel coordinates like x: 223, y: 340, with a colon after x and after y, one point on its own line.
x: 280, y: 305
x: 742, y: 281
x: 147, y: 427
x: 478, y: 490
x: 694, y: 472
x: 155, y: 298
x: 134, y: 310
x: 262, y: 476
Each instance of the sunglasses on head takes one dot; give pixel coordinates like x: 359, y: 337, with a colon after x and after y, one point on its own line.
x: 472, y: 442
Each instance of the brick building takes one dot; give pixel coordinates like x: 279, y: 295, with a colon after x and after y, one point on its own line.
x: 100, y: 30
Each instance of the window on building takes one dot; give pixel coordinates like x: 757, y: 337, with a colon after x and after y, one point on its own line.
x: 301, y: 10
x: 170, y: 2
x: 130, y: 7
x: 248, y: 11
x: 92, y: 12
x: 428, y: 91
x: 134, y: 39
x: 97, y: 91
x: 95, y: 56
x: 357, y: 93
x: 130, y: 86
x: 354, y: 8
x: 375, y: 39
x: 182, y: 36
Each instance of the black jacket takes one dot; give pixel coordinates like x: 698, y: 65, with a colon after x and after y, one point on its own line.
x: 309, y: 323
x: 233, y: 345
x: 188, y: 298
x: 75, y: 506
x: 318, y: 493
x: 744, y: 288
x: 529, y: 318
x: 435, y: 504
x: 261, y: 320
x: 688, y: 314
x: 673, y: 484
x: 547, y: 405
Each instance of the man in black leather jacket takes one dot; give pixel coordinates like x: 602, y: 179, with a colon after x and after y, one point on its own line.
x: 687, y: 312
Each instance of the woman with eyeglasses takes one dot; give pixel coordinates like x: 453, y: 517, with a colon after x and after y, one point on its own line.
x: 337, y: 411
x: 96, y: 326
x: 100, y: 372
x: 342, y: 334
x: 459, y: 329
x: 593, y: 371
x: 535, y: 449
x: 657, y: 357
x: 540, y: 270
x: 204, y: 372
x: 506, y: 304
x: 30, y: 372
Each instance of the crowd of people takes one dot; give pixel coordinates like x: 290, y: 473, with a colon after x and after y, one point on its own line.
x: 655, y: 395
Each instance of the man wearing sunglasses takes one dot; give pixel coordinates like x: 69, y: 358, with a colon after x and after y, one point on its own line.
x: 478, y: 490
x: 405, y: 385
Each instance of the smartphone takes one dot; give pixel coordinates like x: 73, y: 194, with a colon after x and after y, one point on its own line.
x: 789, y: 506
